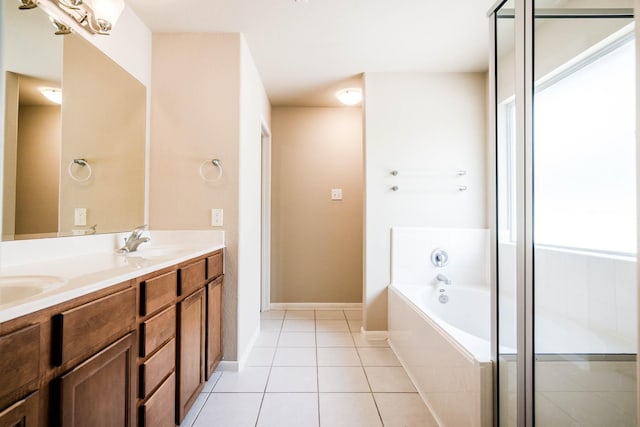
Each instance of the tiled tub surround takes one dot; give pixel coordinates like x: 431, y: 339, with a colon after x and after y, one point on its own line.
x: 586, y: 302
x: 89, y: 263
x: 313, y: 368
x: 445, y: 348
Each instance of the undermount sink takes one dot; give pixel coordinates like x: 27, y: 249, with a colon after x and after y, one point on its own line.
x: 16, y: 288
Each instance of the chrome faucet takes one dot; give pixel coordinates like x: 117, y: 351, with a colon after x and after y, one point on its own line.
x: 134, y: 240
x: 441, y: 278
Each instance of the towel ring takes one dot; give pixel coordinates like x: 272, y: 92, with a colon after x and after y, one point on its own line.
x: 216, y: 163
x: 81, y: 163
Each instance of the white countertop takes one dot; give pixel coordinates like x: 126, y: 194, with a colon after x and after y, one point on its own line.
x: 81, y: 273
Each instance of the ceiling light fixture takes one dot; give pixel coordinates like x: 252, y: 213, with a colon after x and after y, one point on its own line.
x: 349, y: 96
x: 52, y: 94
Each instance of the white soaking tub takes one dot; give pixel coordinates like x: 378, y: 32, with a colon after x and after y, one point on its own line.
x: 445, y: 348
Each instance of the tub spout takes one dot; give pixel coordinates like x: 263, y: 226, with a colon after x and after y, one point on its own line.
x: 441, y: 278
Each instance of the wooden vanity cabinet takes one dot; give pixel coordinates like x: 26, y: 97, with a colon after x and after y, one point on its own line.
x: 192, y: 312
x: 24, y: 413
x: 19, y: 364
x: 135, y: 353
x: 101, y: 390
x: 157, y: 357
x: 214, y: 325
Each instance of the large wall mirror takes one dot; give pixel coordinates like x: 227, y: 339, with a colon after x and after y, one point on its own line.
x: 73, y: 165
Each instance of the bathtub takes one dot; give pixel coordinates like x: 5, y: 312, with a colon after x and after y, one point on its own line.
x: 445, y: 348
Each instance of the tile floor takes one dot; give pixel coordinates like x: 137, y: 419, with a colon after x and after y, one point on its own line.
x: 312, y: 368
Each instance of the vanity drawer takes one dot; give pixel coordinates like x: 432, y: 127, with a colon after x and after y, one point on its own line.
x: 159, y: 410
x: 157, y: 330
x: 85, y: 329
x: 19, y: 359
x: 157, y: 292
x: 154, y: 370
x: 192, y: 277
x: 214, y: 265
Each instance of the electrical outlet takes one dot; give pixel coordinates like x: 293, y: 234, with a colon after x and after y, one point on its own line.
x: 336, y: 194
x: 217, y: 217
x: 80, y: 216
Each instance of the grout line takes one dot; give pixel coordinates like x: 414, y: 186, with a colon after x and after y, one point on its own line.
x: 273, y: 358
x: 317, y: 370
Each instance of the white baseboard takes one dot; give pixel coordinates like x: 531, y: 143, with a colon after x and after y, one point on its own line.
x: 241, y: 363
x: 315, y: 305
x: 374, y: 335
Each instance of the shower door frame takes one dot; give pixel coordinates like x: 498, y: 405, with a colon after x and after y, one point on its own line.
x: 524, y: 16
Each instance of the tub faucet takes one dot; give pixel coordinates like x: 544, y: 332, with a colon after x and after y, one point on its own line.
x: 134, y: 240
x: 441, y: 278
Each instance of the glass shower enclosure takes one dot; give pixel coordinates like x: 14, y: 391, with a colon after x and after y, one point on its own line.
x: 565, y: 238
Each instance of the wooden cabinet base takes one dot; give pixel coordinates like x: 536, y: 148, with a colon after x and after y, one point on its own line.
x: 100, y: 391
x: 22, y: 413
x: 191, y: 351
x: 159, y: 410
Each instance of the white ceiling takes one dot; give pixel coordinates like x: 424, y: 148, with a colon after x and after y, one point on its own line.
x: 306, y: 50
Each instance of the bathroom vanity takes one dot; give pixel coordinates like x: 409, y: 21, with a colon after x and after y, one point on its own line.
x: 133, y: 347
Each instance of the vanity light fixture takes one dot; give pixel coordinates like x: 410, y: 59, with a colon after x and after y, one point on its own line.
x: 349, y: 96
x: 52, y: 94
x: 27, y: 4
x: 96, y: 16
x: 61, y: 29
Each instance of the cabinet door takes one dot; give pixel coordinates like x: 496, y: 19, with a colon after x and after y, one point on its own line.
x: 214, y: 325
x: 191, y: 351
x: 101, y: 390
x: 21, y: 414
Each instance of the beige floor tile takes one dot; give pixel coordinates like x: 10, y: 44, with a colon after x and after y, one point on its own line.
x: 334, y: 339
x: 272, y: 314
x: 191, y: 416
x: 338, y: 356
x: 342, y: 379
x: 267, y: 339
x: 249, y: 380
x: 270, y: 324
x: 348, y: 410
x: 300, y: 315
x: 261, y: 356
x: 332, y: 326
x: 389, y: 379
x: 299, y: 325
x: 330, y: 315
x: 230, y: 410
x: 378, y: 357
x: 588, y: 409
x: 287, y: 379
x: 353, y: 314
x: 295, y: 356
x: 355, y: 325
x: 289, y: 410
x: 404, y: 410
x: 211, y: 382
x: 297, y: 339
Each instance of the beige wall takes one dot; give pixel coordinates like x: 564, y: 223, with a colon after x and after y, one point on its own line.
x: 9, y: 152
x: 104, y: 124
x: 316, y: 242
x: 211, y: 108
x: 38, y: 169
x: 426, y: 126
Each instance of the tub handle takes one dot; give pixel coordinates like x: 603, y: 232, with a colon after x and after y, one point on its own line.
x: 439, y: 257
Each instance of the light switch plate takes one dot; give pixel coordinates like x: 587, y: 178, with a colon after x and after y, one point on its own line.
x: 336, y: 194
x: 217, y: 219
x: 80, y: 216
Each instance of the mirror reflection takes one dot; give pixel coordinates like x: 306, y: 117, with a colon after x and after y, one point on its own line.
x: 77, y: 167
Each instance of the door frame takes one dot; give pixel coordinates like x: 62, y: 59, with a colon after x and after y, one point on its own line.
x: 265, y: 217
